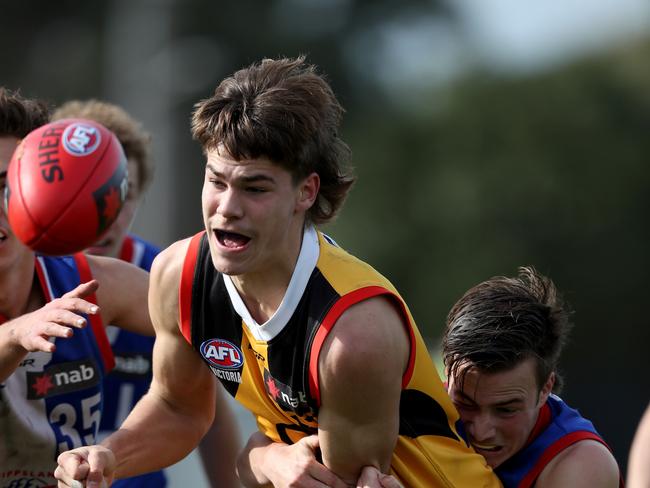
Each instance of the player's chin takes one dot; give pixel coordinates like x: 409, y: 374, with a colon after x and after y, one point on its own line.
x: 99, y: 250
x: 107, y: 246
x: 227, y: 263
x: 494, y: 455
x: 10, y: 246
x: 495, y: 459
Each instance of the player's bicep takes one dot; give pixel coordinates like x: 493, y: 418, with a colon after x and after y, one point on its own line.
x: 122, y: 294
x: 180, y: 377
x: 360, y: 379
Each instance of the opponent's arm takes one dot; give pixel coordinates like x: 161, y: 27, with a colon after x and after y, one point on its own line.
x: 32, y: 331
x: 586, y: 464
x: 361, y: 366
x: 122, y: 294
x: 638, y: 471
x: 220, y: 445
x: 169, y: 421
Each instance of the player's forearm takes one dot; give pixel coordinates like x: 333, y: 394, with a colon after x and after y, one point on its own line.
x: 154, y: 436
x: 251, y: 462
x: 220, y: 446
x: 346, y: 450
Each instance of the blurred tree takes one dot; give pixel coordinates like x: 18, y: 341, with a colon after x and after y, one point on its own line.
x: 550, y: 171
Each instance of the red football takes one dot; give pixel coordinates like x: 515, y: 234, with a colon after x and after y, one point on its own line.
x: 66, y: 184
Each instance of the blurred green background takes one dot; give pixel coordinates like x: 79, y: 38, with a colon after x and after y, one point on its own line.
x: 486, y: 135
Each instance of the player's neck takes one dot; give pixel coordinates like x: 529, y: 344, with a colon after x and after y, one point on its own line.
x: 19, y: 290
x: 263, y: 290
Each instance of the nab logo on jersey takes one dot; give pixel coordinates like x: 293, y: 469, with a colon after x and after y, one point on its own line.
x: 62, y: 378
x: 222, y: 354
x: 81, y: 139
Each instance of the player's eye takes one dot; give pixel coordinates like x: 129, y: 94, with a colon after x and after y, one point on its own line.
x: 464, y: 406
x: 506, y: 411
x: 216, y: 182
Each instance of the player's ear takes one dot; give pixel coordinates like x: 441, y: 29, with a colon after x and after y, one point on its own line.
x: 547, y: 388
x: 308, y: 191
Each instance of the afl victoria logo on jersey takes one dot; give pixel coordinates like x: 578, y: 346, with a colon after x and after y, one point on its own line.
x: 222, y: 354
x: 225, y: 359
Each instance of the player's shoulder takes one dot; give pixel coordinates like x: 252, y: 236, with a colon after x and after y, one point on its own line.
x: 370, y: 331
x: 167, y: 266
x: 172, y: 256
x: 587, y: 463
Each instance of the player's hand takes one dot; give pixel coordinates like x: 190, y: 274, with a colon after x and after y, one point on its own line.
x: 371, y: 477
x: 296, y: 466
x: 57, y: 318
x: 89, y: 466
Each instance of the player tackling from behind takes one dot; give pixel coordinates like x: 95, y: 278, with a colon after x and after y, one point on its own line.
x: 310, y: 339
x: 501, y: 349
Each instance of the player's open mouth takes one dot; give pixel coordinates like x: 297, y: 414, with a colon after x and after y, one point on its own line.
x: 3, y: 235
x: 231, y: 240
x: 486, y: 447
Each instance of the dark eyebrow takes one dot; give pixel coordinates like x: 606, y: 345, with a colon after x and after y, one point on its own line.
x: 464, y: 396
x: 246, y: 179
x: 500, y: 404
x: 509, y: 402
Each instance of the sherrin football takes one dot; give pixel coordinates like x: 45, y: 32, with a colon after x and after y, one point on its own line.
x: 66, y: 184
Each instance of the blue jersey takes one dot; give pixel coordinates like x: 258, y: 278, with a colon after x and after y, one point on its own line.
x: 53, y: 401
x: 131, y: 377
x: 558, y: 427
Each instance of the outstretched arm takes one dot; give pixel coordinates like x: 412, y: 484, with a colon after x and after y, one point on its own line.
x: 122, y: 294
x: 169, y: 421
x: 32, y: 331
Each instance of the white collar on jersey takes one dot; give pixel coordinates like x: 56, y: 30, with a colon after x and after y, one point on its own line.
x: 306, y: 263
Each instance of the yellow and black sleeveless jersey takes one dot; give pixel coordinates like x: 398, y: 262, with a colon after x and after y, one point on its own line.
x: 271, y: 368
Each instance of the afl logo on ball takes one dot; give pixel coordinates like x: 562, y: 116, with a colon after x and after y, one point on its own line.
x: 81, y: 139
x: 222, y: 354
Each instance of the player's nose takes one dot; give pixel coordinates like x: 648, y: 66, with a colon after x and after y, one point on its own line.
x: 230, y: 205
x: 481, y: 428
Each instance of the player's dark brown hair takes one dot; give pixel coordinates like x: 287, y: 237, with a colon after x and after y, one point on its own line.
x: 283, y: 110
x: 503, y: 321
x: 135, y: 140
x: 19, y: 116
